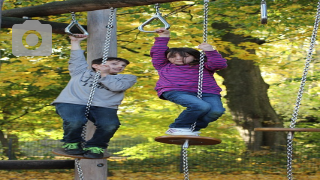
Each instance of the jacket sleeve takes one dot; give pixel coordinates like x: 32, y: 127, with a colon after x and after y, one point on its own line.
x: 77, y: 62
x: 215, y: 61
x: 157, y: 52
x: 119, y: 82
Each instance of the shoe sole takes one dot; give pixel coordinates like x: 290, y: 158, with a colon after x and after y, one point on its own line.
x: 178, y: 134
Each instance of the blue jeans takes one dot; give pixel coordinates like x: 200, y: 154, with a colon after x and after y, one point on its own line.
x: 105, y: 119
x: 202, y: 111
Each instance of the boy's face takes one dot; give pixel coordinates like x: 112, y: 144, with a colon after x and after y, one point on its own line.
x: 110, y: 67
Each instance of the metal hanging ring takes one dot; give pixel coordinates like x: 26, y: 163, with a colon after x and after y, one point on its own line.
x: 156, y: 16
x: 74, y: 22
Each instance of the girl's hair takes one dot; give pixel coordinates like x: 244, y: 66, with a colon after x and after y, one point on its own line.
x: 99, y: 61
x: 183, y: 51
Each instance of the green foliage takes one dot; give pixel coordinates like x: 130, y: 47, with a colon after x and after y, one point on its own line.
x: 30, y: 84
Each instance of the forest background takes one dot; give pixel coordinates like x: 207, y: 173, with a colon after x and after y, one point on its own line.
x: 273, y: 54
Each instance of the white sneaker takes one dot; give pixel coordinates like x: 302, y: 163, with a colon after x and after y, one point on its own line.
x: 182, y: 131
x: 197, y: 132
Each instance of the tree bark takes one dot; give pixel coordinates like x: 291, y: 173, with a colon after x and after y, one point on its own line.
x: 4, y: 143
x: 61, y: 7
x: 247, y: 96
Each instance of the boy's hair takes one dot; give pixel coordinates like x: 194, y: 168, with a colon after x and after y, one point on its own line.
x: 99, y: 60
x: 182, y: 52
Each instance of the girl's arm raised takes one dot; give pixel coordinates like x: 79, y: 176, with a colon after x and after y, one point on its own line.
x: 158, y: 50
x: 214, y: 60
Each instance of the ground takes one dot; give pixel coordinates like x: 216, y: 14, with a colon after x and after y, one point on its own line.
x: 120, y: 175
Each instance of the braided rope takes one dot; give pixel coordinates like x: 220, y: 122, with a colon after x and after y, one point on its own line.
x: 95, y: 82
x: 300, y: 93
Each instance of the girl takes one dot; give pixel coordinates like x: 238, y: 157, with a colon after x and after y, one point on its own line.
x: 178, y: 70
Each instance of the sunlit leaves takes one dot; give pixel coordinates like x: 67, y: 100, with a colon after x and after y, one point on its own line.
x: 29, y: 84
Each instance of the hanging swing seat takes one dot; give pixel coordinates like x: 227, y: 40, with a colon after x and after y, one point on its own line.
x: 193, y: 140
x: 288, y: 129
x: 61, y: 152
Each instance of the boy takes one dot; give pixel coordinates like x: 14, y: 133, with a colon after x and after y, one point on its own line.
x: 72, y: 102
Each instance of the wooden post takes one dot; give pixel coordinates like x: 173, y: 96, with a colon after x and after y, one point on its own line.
x: 96, y: 169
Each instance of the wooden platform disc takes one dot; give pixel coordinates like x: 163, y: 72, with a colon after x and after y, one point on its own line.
x: 61, y: 152
x: 193, y: 140
x: 288, y: 129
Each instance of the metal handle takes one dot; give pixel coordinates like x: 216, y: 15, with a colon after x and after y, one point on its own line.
x: 156, y: 16
x: 67, y: 29
x: 264, y: 16
x: 74, y: 22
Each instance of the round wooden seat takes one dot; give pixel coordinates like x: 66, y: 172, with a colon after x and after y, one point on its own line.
x: 193, y: 140
x: 61, y: 152
x: 288, y: 129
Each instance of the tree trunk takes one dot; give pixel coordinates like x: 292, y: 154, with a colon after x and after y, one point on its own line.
x: 247, y: 96
x: 13, y: 146
x: 4, y: 143
x: 61, y: 7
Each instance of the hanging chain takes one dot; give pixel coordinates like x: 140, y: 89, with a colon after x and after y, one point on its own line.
x: 300, y: 93
x: 95, y: 82
x: 201, y: 66
x: 157, y: 6
x: 307, y: 64
x: 185, y: 159
x: 73, y: 16
x: 80, y: 172
x: 202, y: 55
x: 104, y: 59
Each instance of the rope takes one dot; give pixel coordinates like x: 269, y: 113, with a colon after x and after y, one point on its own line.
x: 202, y: 55
x: 199, y: 94
x: 95, y: 82
x: 300, y: 93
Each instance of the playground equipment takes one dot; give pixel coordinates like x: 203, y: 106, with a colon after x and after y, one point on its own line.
x: 294, y: 118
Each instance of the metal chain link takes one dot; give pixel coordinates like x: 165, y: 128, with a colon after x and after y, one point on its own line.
x: 95, y: 82
x: 185, y: 159
x: 300, y: 93
x: 80, y: 172
x: 73, y: 16
x: 199, y: 95
x: 157, y: 6
x: 202, y: 55
x: 104, y: 59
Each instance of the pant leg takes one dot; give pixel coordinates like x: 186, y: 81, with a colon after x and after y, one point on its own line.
x: 107, y: 123
x: 216, y: 110
x: 74, y: 119
x: 195, y: 107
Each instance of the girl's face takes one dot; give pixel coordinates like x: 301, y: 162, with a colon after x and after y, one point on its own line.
x: 179, y: 59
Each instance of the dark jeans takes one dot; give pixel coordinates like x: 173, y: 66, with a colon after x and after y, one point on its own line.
x: 105, y: 119
x: 203, y: 111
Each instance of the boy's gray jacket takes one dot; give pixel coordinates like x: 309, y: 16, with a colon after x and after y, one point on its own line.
x: 109, y: 91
